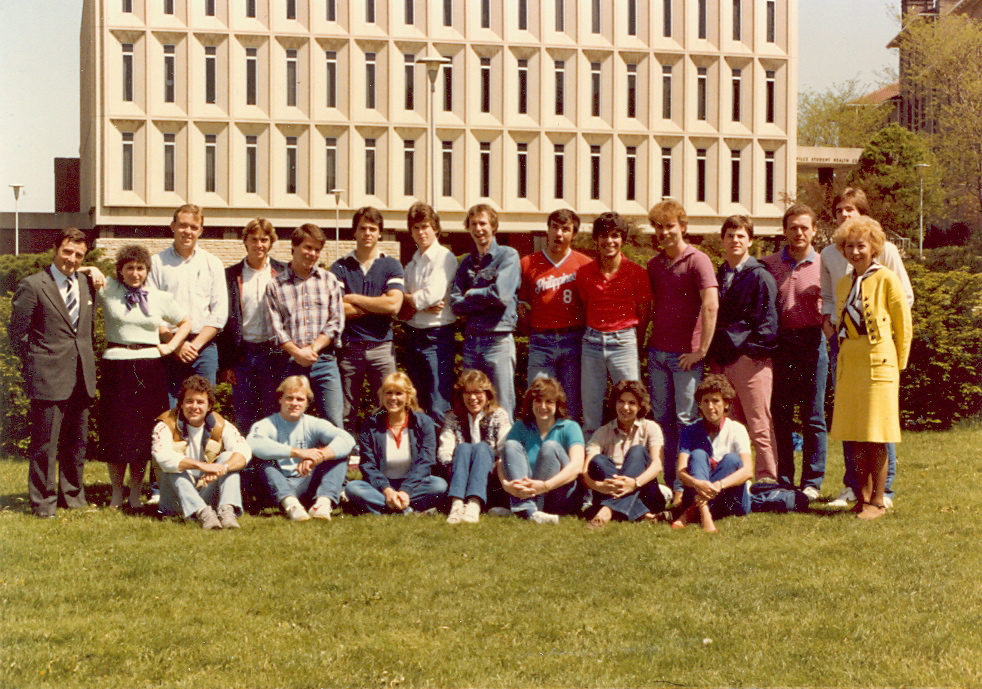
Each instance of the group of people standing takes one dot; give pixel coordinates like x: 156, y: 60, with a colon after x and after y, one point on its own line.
x: 729, y: 351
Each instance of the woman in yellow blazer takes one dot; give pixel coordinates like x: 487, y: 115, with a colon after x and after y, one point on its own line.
x: 874, y: 342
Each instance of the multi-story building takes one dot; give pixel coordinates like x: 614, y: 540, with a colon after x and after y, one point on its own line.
x: 262, y: 107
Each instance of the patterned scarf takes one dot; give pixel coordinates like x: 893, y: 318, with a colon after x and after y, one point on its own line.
x: 137, y: 295
x: 852, y: 312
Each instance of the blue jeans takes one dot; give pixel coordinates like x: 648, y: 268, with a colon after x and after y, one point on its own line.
x: 552, y: 458
x: 470, y: 470
x: 325, y: 378
x: 631, y: 507
x: 179, y: 494
x: 557, y: 355
x: 614, y: 353
x: 801, y: 367
x: 324, y: 481
x: 429, y: 360
x: 257, y: 375
x: 494, y: 353
x: 673, y: 403
x: 177, y: 371
x: 734, y: 500
x: 848, y: 455
x: 363, y: 497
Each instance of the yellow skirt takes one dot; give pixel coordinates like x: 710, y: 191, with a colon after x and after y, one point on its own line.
x: 867, y: 392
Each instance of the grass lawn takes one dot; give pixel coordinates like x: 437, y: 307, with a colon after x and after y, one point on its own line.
x: 100, y: 598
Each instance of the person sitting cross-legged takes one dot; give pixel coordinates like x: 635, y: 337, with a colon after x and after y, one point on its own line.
x: 624, y: 458
x: 714, y: 459
x: 398, y: 451
x: 306, y: 457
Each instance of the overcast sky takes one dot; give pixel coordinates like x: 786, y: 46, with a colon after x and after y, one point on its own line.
x: 39, y: 63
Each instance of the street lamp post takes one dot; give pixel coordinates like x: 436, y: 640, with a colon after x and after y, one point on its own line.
x: 16, y: 188
x: 920, y: 170
x: 432, y: 66
x: 337, y: 222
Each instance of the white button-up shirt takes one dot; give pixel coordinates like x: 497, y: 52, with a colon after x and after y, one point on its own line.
x: 429, y: 276
x: 196, y: 283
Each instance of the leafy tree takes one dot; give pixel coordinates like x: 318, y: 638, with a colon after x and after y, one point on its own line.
x: 839, y: 116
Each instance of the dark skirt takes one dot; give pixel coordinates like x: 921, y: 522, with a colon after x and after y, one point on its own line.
x: 132, y: 394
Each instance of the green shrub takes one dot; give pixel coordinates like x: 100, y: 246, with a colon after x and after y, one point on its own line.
x: 945, y: 258
x: 13, y: 418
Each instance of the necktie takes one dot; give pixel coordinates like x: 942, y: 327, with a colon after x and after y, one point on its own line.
x: 71, y: 302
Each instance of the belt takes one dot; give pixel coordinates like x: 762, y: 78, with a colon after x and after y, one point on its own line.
x: 559, y: 331
x: 119, y: 345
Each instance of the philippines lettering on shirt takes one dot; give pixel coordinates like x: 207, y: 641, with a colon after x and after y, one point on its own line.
x: 551, y: 282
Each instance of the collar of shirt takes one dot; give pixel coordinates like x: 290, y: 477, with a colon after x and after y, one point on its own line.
x: 60, y: 277
x: 316, y: 272
x: 810, y: 257
x: 630, y: 433
x: 365, y: 267
x: 480, y: 259
x: 173, y: 250
x: 430, y: 254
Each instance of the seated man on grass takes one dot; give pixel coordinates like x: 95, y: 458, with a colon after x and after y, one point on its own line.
x: 199, y: 455
x: 306, y: 457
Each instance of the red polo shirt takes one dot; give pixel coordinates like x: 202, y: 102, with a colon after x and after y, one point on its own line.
x: 612, y: 304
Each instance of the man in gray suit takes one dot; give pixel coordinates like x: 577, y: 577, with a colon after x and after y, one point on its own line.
x: 51, y: 332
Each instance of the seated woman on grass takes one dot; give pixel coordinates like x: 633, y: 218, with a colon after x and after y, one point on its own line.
x: 473, y: 434
x: 398, y: 452
x: 624, y: 458
x: 543, y: 457
x: 714, y: 459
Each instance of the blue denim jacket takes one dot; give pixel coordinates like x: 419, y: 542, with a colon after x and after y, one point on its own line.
x: 422, y: 449
x: 485, y: 290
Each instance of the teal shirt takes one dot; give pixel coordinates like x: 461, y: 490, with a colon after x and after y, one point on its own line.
x: 565, y: 432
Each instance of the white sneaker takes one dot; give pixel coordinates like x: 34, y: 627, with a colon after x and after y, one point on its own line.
x: 499, y: 512
x: 811, y: 492
x: 472, y: 511
x: 540, y: 517
x: 294, y: 510
x: 456, y: 512
x: 321, y: 509
x: 666, y: 492
x: 888, y: 502
x: 844, y: 498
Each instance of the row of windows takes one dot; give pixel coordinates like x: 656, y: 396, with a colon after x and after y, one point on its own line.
x: 447, y: 168
x: 629, y: 14
x: 633, y: 89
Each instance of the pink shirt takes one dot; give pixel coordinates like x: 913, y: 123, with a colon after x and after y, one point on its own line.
x: 799, y: 288
x: 676, y: 286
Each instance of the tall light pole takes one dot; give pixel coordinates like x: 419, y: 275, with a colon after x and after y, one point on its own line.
x: 432, y: 66
x: 920, y: 170
x: 337, y: 222
x: 16, y: 188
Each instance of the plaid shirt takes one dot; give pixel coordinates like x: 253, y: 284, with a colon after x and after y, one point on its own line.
x: 301, y: 309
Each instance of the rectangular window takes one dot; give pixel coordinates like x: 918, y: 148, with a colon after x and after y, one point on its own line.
x: 291, y: 77
x: 523, y: 86
x: 559, y: 160
x: 211, y: 160
x: 370, y: 81
x: 369, y: 11
x: 448, y: 12
x: 370, y: 167
x: 769, y: 107
x: 127, y: 161
x: 666, y: 18
x: 485, y: 84
x: 252, y: 161
x: 251, y: 75
x: 410, y: 12
x: 209, y: 8
x: 666, y: 173
x: 331, y: 62
x: 735, y: 176
x: 632, y: 172
x: 410, y: 71
x: 291, y: 165
x: 251, y: 8
x: 595, y: 16
x: 595, y: 89
x: 128, y: 72
x: 168, y: 6
x: 702, y: 92
x: 768, y: 176
x: 330, y: 163
x: 560, y: 86
x: 332, y: 11
x: 703, y: 18
x: 523, y: 15
x: 523, y: 171
x: 632, y: 90
x: 408, y: 167
x: 560, y: 15
x: 737, y: 77
x: 701, y: 175
x: 448, y: 86
x: 447, y: 168
x: 737, y: 20
x: 632, y: 17
x: 169, y: 73
x: 291, y: 9
x: 485, y: 169
x: 127, y: 5
x: 595, y: 172
x: 485, y: 14
x: 771, y: 21
x: 666, y: 92
x: 211, y: 73
x: 170, y: 160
